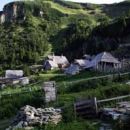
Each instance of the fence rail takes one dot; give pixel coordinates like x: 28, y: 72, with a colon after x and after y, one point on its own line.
x: 68, y: 83
x: 112, y: 99
x: 98, y: 77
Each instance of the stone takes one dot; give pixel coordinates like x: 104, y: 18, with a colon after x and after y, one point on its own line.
x: 29, y: 116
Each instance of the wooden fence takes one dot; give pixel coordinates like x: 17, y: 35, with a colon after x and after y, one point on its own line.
x: 68, y: 83
x: 89, y: 107
x: 86, y: 108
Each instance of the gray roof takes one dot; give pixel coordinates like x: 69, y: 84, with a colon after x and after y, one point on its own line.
x: 52, y: 63
x: 73, y: 69
x: 82, y: 62
x: 58, y: 59
x: 103, y: 57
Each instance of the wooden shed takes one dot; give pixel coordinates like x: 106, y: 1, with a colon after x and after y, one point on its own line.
x: 105, y: 62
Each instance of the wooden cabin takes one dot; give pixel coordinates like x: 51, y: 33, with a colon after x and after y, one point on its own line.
x: 56, y: 62
x: 104, y: 62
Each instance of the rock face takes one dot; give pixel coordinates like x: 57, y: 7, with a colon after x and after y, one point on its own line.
x: 12, y: 12
x: 29, y: 117
x: 16, y: 12
x: 2, y: 17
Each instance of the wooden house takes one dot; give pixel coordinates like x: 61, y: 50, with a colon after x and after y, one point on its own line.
x: 50, y: 65
x: 56, y: 62
x: 104, y: 62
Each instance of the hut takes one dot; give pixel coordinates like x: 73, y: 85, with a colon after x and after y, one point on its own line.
x: 50, y: 65
x: 61, y: 61
x: 56, y: 62
x: 73, y: 69
x: 104, y: 62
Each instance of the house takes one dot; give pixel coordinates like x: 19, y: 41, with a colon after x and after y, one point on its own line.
x: 82, y: 63
x: 56, y: 62
x: 104, y: 62
x: 50, y: 65
x: 73, y: 69
x: 13, y: 74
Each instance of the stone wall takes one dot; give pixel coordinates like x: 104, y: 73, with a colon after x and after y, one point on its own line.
x: 29, y: 117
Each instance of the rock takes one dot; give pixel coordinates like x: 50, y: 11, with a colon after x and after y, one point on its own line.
x: 19, y: 125
x: 29, y: 116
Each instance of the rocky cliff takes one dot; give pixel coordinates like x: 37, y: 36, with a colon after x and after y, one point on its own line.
x: 12, y: 12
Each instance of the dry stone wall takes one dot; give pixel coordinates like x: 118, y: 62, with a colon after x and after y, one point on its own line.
x: 29, y: 117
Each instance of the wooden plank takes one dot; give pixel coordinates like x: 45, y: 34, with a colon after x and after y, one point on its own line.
x: 112, y: 99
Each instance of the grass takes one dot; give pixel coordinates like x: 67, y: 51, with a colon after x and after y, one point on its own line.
x: 66, y: 10
x: 4, y: 124
x: 53, y: 75
x: 74, y: 125
x: 67, y: 95
x: 59, y: 77
x: 101, y: 92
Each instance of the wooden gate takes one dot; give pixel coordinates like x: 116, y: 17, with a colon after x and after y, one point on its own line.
x: 86, y: 108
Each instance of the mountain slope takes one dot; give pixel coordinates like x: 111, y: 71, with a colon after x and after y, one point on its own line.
x: 60, y: 27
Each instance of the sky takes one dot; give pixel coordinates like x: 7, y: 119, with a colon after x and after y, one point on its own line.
x: 3, y: 2
x: 98, y: 1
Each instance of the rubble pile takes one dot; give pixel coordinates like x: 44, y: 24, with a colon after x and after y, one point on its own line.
x: 29, y: 116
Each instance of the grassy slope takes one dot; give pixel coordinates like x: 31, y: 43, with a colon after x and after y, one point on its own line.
x: 96, y: 12
x: 66, y: 98
x: 66, y: 10
x: 113, y: 10
x: 57, y: 76
x: 4, y: 124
